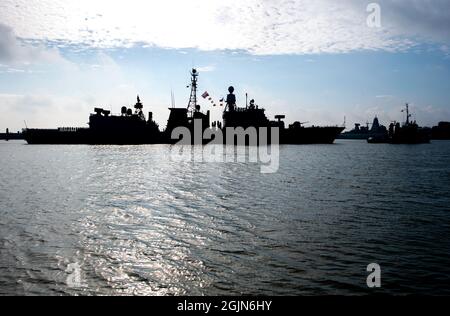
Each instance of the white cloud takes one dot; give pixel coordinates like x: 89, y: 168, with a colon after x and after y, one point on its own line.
x: 12, y: 70
x: 13, y: 51
x: 384, y: 96
x: 68, y: 95
x: 256, y: 26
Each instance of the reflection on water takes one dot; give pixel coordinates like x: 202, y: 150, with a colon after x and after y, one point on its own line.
x: 130, y: 221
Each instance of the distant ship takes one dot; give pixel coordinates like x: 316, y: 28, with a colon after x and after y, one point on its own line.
x: 132, y: 127
x: 364, y: 132
x: 408, y: 133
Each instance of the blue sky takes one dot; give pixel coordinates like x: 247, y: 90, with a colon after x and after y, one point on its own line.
x: 314, y: 61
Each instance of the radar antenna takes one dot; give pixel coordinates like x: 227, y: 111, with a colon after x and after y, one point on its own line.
x: 138, y: 106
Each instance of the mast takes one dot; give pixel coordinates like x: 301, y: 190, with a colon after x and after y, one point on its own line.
x: 192, y: 106
x: 407, y: 113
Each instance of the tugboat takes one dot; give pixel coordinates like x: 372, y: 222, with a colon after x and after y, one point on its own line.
x: 408, y: 133
x: 132, y: 128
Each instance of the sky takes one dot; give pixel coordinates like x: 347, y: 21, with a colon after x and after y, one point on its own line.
x: 315, y: 61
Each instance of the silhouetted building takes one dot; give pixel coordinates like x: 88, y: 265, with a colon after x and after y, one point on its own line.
x: 441, y: 132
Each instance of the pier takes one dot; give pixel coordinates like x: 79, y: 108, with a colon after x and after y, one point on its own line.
x: 10, y: 136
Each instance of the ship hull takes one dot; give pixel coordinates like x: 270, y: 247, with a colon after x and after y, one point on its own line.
x: 404, y: 136
x: 310, y: 135
x: 55, y: 137
x: 355, y: 136
x: 86, y: 136
x: 11, y: 136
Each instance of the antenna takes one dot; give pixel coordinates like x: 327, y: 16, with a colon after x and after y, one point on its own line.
x: 408, y: 116
x: 25, y: 124
x: 193, y: 98
x: 172, y: 98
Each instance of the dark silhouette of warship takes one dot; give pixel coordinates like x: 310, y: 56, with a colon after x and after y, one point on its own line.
x: 364, y: 132
x: 408, y: 133
x: 132, y: 127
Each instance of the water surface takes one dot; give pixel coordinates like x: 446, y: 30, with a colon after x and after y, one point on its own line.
x: 138, y: 223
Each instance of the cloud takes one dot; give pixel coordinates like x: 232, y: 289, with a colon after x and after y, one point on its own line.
x: 384, y: 96
x: 209, y: 68
x: 66, y: 96
x: 426, y: 19
x: 13, y: 51
x: 41, y: 110
x: 257, y: 26
x: 11, y: 71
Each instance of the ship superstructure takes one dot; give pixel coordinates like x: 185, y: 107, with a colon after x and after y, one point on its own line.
x: 184, y: 117
x: 254, y: 116
x: 104, y: 128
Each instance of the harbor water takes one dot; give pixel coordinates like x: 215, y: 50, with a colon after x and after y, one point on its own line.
x: 128, y: 220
